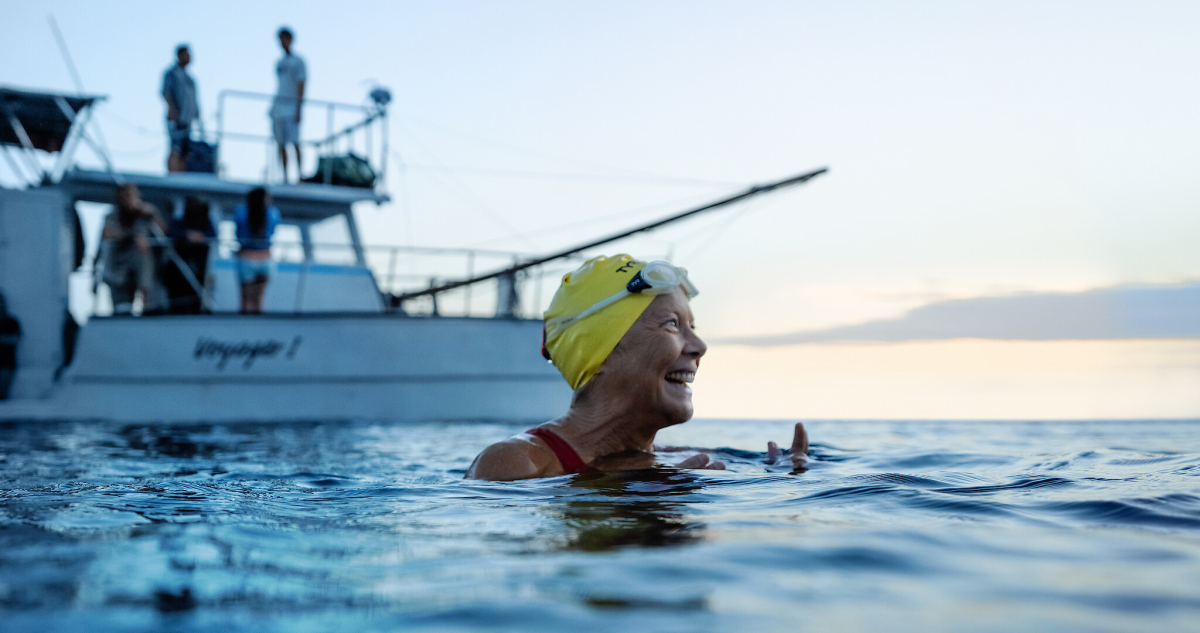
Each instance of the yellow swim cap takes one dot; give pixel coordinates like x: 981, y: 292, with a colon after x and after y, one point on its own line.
x: 578, y: 349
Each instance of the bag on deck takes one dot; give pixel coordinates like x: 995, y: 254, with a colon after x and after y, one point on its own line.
x: 200, y: 158
x: 344, y: 171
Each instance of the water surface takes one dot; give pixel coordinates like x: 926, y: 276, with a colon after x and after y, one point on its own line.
x: 895, y: 526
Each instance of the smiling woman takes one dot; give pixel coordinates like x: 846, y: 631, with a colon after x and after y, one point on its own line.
x: 623, y: 335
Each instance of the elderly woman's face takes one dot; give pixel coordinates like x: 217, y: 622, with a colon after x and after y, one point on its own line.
x: 658, y: 357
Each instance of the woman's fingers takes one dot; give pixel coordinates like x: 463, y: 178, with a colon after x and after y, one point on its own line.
x: 695, y: 461
x: 773, y: 452
x: 800, y: 441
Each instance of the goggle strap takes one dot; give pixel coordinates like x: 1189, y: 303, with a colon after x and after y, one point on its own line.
x: 688, y: 286
x: 562, y: 322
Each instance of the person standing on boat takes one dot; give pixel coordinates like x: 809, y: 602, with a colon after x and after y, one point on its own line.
x: 256, y: 221
x: 190, y: 235
x: 289, y: 97
x: 129, y: 263
x: 179, y: 91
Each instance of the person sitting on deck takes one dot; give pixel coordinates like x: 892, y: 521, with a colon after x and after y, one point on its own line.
x: 256, y: 221
x: 190, y: 235
x: 129, y: 263
x: 622, y: 333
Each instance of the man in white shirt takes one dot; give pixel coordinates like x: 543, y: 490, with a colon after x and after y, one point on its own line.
x: 285, y: 111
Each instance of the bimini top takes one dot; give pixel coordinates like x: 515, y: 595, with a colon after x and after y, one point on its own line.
x: 303, y: 202
x: 39, y: 120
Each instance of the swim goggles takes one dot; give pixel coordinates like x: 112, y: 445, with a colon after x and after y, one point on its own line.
x: 655, y: 278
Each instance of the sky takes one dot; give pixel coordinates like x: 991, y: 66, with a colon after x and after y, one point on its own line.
x: 977, y: 151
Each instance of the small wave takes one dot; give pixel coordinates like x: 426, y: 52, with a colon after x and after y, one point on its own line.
x: 1021, y: 484
x: 1141, y: 512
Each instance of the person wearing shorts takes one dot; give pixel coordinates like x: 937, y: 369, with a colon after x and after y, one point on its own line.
x: 255, y: 221
x: 183, y: 109
x: 289, y: 97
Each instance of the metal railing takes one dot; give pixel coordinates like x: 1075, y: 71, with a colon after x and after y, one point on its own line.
x: 394, y: 269
x: 372, y: 128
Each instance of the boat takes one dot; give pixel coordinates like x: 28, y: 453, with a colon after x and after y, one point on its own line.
x: 333, y: 344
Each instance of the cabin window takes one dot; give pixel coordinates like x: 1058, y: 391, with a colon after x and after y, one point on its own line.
x: 331, y: 242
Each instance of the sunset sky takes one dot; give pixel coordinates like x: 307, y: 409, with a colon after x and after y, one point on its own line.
x: 976, y: 150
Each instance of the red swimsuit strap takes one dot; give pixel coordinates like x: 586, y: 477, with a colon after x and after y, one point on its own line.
x: 571, y: 462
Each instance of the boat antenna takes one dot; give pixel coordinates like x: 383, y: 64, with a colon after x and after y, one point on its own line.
x: 749, y: 193
x: 100, y: 147
x: 62, y: 48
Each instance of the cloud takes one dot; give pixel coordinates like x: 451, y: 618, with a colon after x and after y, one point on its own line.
x: 1122, y: 312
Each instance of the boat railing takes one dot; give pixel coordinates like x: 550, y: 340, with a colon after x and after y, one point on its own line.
x: 396, y: 270
x: 364, y: 133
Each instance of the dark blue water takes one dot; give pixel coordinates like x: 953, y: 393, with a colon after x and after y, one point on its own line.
x: 368, y: 527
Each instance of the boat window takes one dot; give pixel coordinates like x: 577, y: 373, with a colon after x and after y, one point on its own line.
x: 226, y: 239
x: 80, y: 300
x: 287, y: 245
x: 331, y: 242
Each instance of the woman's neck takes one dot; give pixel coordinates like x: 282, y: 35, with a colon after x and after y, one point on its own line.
x: 598, y: 430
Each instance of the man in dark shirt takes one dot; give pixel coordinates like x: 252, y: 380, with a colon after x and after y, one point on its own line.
x: 10, y: 334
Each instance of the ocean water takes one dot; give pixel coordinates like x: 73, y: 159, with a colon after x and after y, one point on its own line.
x: 895, y: 526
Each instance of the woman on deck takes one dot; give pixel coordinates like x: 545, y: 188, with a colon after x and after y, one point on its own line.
x: 622, y: 333
x: 256, y: 221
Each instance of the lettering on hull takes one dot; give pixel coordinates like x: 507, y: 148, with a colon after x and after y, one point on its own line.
x: 245, y: 351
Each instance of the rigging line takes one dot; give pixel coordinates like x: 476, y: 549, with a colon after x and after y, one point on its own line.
x: 406, y: 207
x: 756, y: 190
x: 609, y: 216
x: 717, y: 222
x: 719, y: 231
x: 102, y: 150
x: 531, y: 152
x: 62, y: 48
x: 519, y: 173
x: 157, y: 147
x: 514, y: 232
x: 125, y: 123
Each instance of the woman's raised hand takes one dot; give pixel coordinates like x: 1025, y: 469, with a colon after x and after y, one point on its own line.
x: 798, y: 453
x: 701, y: 461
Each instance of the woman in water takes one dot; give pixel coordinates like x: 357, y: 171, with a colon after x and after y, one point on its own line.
x: 256, y: 221
x: 622, y: 333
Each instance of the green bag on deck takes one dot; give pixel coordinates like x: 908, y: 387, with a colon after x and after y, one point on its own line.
x: 350, y: 170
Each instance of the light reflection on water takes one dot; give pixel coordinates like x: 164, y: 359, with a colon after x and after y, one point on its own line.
x: 896, y: 526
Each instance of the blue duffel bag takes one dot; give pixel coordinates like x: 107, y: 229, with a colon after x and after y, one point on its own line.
x: 200, y: 157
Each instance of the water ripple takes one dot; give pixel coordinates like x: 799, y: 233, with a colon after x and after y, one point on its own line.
x: 918, y: 526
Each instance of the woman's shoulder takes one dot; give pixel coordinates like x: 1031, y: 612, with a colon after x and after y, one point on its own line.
x: 517, y: 457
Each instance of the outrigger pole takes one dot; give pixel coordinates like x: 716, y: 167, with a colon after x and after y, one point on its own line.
x: 751, y: 192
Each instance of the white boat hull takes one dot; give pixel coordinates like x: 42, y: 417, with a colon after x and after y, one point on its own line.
x: 212, y: 368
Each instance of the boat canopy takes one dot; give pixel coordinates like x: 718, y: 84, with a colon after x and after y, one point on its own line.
x: 39, y: 120
x: 298, y: 204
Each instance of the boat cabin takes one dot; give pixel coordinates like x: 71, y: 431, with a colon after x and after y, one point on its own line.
x: 297, y: 286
